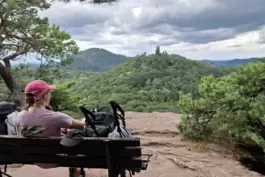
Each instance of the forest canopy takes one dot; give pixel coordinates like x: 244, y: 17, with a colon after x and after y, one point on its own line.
x: 142, y: 83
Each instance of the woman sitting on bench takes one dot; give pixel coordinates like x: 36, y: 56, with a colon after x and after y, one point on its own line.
x: 37, y: 121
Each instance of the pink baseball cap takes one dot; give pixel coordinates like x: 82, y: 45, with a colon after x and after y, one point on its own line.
x: 37, y: 88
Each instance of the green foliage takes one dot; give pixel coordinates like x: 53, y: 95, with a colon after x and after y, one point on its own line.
x: 63, y: 100
x: 231, y: 108
x: 23, y: 74
x: 143, y: 83
x: 23, y: 31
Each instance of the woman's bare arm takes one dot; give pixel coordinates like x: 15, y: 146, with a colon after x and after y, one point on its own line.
x: 78, y: 124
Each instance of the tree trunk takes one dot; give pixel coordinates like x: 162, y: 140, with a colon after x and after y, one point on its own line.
x: 8, y: 64
x: 5, y: 73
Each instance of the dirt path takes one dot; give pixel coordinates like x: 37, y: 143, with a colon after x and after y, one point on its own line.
x: 172, y: 157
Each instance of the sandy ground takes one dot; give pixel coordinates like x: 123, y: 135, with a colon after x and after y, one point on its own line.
x: 172, y: 156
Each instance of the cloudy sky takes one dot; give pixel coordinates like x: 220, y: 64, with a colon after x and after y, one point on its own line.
x: 196, y: 29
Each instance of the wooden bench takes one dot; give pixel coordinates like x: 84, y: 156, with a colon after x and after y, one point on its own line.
x: 105, y: 153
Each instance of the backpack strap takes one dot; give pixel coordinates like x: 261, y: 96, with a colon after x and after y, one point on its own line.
x: 118, y: 108
x: 123, y: 120
x: 89, y: 115
x: 114, y: 108
x: 85, y: 112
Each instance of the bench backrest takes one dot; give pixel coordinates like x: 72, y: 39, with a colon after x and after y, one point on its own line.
x: 90, y: 153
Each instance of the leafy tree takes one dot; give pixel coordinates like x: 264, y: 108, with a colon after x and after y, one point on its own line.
x: 231, y: 108
x: 23, y: 32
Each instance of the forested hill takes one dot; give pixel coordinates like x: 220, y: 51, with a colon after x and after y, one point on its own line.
x: 95, y: 60
x: 232, y: 62
x: 143, y: 83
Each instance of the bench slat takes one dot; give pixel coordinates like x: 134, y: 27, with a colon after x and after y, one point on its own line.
x: 52, y: 150
x: 70, y: 161
x: 55, y: 141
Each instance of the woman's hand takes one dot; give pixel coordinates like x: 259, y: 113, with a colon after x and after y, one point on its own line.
x: 64, y: 131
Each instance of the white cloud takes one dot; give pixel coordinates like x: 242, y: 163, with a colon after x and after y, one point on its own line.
x: 242, y: 46
x: 197, y: 29
x: 136, y: 11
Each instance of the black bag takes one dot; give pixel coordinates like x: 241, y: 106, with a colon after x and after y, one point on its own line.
x: 101, y: 122
x: 5, y: 109
x: 104, y: 123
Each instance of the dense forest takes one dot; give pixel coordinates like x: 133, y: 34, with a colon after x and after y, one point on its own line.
x: 142, y: 83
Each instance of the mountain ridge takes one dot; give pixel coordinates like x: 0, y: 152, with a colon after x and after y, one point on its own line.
x: 92, y: 59
x: 96, y: 60
x: 100, y: 60
x: 232, y: 62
